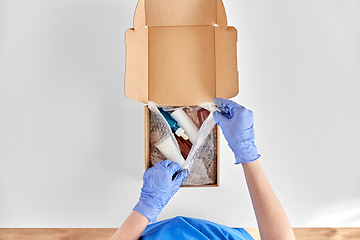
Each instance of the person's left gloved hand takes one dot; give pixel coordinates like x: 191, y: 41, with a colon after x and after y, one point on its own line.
x: 159, y: 187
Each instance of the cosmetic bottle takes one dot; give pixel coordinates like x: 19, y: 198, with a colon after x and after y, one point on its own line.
x: 184, y: 145
x: 202, y: 115
x: 174, y: 125
x: 186, y: 123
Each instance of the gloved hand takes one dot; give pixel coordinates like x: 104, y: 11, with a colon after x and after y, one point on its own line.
x: 159, y: 187
x: 236, y: 122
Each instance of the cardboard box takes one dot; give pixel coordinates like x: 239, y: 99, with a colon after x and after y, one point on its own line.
x: 180, y: 53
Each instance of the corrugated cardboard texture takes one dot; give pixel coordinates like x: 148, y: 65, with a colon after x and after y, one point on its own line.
x: 180, y: 13
x: 181, y: 65
x: 181, y: 58
x: 136, y: 76
x: 227, y: 83
x: 153, y: 13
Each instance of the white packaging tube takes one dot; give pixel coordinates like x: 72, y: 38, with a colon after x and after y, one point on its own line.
x: 186, y: 123
x: 170, y: 150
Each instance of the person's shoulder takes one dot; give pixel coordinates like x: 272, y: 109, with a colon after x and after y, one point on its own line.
x: 182, y: 227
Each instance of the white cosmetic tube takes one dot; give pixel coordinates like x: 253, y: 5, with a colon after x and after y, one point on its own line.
x: 186, y: 123
x: 170, y: 150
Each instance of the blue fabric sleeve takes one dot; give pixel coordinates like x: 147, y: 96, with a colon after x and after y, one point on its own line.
x: 192, y: 228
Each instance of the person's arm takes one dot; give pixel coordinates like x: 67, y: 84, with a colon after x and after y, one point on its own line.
x: 160, y: 183
x: 236, y: 122
x: 271, y: 218
x: 132, y: 228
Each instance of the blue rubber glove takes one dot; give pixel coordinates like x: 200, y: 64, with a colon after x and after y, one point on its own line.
x: 236, y: 122
x: 159, y: 187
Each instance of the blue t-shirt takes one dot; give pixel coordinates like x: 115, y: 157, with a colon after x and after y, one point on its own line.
x: 192, y: 228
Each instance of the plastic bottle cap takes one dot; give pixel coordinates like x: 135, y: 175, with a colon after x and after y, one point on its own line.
x: 179, y: 131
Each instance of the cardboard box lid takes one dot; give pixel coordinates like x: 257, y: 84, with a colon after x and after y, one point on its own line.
x: 158, y: 13
x: 180, y: 53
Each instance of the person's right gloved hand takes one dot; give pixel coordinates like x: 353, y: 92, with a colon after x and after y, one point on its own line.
x: 236, y: 122
x: 160, y: 185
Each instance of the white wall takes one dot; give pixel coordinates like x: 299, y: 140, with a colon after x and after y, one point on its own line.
x: 71, y: 143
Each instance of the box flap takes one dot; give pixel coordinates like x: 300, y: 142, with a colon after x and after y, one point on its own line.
x: 136, y: 75
x: 227, y: 79
x: 158, y: 13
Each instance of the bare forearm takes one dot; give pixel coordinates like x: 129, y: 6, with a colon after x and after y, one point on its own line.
x: 272, y: 220
x: 132, y: 228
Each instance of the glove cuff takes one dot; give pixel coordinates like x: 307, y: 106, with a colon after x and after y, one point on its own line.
x: 238, y: 161
x: 246, y: 152
x: 146, y: 210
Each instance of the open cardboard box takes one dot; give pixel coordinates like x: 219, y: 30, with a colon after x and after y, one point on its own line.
x: 180, y: 53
